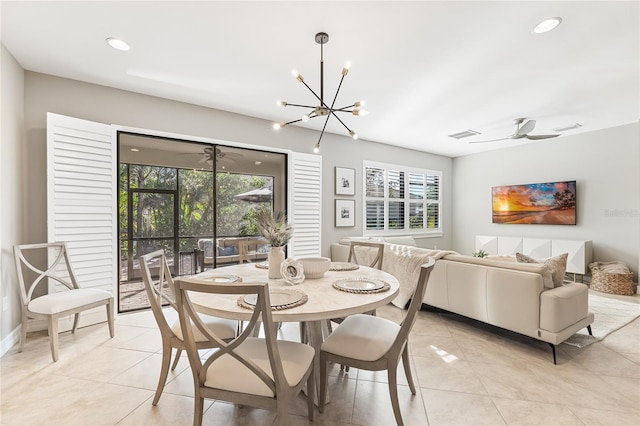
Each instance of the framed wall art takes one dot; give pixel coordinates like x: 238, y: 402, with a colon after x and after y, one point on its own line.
x: 551, y: 203
x: 345, y: 181
x: 345, y: 213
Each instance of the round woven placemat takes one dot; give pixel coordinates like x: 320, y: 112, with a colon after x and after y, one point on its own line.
x: 301, y: 301
x: 343, y: 266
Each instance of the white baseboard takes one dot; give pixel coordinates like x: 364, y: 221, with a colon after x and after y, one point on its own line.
x: 9, y: 341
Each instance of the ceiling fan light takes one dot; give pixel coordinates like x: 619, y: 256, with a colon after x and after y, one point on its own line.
x: 282, y: 103
x: 278, y: 126
x: 353, y: 134
x: 316, y: 148
x: 360, y: 112
x: 547, y: 25
x: 358, y: 104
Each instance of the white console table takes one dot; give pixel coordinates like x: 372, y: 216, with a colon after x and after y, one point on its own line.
x: 580, y: 251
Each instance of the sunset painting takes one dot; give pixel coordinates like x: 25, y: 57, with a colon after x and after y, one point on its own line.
x: 552, y: 203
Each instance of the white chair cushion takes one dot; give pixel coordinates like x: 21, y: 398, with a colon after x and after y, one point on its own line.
x: 363, y: 337
x: 223, y: 328
x: 64, y: 300
x: 229, y: 374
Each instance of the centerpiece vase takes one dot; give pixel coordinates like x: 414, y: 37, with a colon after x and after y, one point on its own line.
x: 276, y: 257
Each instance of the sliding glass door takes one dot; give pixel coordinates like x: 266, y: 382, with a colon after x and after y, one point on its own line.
x: 196, y: 202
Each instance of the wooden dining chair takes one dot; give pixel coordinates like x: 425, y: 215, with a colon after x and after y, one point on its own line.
x: 71, y: 300
x: 374, y: 251
x: 378, y: 254
x: 373, y: 343
x: 161, y: 292
x: 258, y: 372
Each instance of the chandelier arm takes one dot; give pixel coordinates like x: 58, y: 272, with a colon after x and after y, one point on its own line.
x: 332, y: 111
x: 323, y: 127
x: 301, y: 106
x: 337, y: 91
x: 291, y: 122
x: 341, y: 122
x: 345, y: 108
x: 314, y: 94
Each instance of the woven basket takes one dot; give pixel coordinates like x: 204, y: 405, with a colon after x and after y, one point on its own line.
x: 618, y: 283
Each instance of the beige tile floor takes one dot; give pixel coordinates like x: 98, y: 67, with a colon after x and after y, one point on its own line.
x: 467, y: 374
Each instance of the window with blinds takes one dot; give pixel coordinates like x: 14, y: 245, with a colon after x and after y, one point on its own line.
x: 401, y: 199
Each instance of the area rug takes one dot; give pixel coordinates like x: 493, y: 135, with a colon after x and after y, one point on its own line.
x: 610, y: 315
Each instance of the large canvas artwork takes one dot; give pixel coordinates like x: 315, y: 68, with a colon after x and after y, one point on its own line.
x: 552, y: 203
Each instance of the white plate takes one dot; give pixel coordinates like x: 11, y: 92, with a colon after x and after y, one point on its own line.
x: 360, y: 284
x: 222, y: 278
x: 278, y: 297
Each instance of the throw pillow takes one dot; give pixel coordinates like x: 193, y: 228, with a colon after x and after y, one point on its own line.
x: 557, y: 265
x: 227, y: 251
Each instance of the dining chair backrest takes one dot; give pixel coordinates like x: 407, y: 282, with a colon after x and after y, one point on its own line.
x: 416, y: 303
x: 160, y: 291
x: 57, y: 302
x: 31, y: 276
x: 366, y: 250
x: 245, y: 370
x: 261, y: 313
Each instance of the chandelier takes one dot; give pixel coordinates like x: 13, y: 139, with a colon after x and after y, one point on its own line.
x: 322, y: 109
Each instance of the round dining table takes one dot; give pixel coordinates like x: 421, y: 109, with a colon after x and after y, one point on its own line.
x: 323, y: 300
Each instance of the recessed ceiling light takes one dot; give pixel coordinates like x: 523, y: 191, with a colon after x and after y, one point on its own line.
x: 118, y: 44
x: 547, y: 25
x: 134, y: 150
x: 257, y: 163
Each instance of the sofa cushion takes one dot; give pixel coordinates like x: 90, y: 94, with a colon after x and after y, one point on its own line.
x: 537, y: 268
x: 227, y: 251
x: 557, y: 265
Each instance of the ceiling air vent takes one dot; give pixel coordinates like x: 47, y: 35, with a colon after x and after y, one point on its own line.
x: 464, y: 134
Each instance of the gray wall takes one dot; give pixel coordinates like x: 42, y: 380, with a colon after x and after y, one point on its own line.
x: 12, y: 190
x: 24, y: 141
x: 606, y: 166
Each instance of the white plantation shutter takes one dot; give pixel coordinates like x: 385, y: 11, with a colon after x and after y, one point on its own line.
x: 82, y: 203
x: 305, y: 204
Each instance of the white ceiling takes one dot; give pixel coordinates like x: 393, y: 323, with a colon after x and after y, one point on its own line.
x: 427, y: 69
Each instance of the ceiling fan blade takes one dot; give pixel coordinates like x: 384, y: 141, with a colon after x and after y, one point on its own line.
x: 232, y: 154
x: 526, y: 127
x: 537, y: 137
x: 491, y: 140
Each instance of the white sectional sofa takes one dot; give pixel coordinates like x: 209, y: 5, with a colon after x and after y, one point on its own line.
x: 519, y: 297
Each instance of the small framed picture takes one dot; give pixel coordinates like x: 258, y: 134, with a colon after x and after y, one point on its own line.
x: 345, y: 181
x: 345, y: 213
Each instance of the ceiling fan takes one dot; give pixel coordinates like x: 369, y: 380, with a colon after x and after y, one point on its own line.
x: 522, y: 132
x: 210, y: 153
